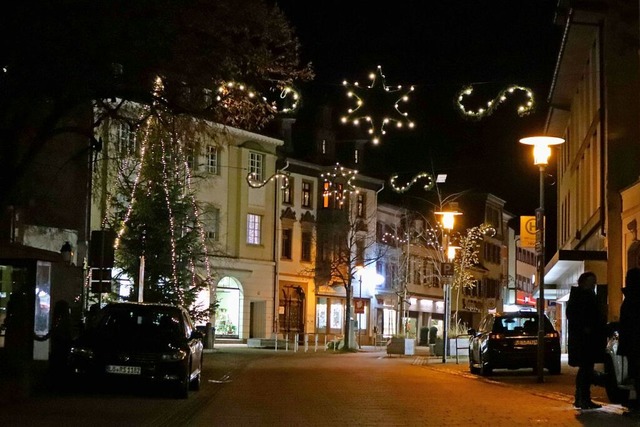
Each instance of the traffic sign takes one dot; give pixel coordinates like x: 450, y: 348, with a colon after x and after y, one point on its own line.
x: 446, y: 269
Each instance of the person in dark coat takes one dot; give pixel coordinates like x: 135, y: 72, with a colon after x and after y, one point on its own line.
x: 587, y: 336
x: 629, y: 331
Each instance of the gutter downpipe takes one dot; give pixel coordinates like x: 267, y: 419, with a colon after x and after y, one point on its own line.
x: 276, y: 257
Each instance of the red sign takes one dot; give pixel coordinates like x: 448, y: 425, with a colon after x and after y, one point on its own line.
x: 359, y: 306
x: 525, y: 298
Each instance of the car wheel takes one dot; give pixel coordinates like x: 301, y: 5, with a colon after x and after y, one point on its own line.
x: 472, y: 368
x: 485, y: 368
x: 182, y: 387
x: 195, y: 382
x: 615, y: 394
x: 554, y: 368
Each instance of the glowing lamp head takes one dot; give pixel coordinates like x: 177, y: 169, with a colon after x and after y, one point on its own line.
x: 541, y: 147
x: 448, y: 218
x: 451, y: 252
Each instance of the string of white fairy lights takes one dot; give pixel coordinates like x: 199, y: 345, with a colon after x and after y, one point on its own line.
x: 374, y: 114
x: 421, y: 176
x: 338, y: 183
x: 481, y: 112
x: 287, y: 101
x: 146, y: 148
x: 254, y: 182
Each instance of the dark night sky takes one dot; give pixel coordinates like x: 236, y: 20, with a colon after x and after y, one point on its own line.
x: 439, y: 47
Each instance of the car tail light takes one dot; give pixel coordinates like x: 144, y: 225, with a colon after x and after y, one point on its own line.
x: 552, y: 335
x: 496, y: 336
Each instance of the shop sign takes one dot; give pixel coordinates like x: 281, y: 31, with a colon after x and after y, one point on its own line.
x: 469, y: 304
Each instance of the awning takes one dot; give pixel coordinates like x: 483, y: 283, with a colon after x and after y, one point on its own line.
x: 550, y: 291
x: 566, y: 261
x: 562, y: 270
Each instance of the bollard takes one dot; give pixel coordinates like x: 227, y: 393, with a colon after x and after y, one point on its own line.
x: 306, y: 342
x: 208, y: 336
x: 316, y: 342
x: 286, y: 343
x: 296, y: 337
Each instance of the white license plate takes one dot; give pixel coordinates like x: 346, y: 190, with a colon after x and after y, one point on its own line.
x: 124, y: 370
x: 526, y: 342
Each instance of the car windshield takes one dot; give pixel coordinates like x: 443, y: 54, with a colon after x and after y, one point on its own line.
x: 139, y: 320
x: 520, y: 325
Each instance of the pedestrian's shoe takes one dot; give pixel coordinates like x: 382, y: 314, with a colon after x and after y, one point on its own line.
x: 587, y: 405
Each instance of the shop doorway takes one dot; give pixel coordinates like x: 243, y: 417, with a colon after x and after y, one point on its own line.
x: 291, y: 310
x: 230, y: 298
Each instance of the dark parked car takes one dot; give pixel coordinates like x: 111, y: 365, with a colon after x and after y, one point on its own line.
x: 155, y: 343
x: 510, y: 341
x: 616, y: 370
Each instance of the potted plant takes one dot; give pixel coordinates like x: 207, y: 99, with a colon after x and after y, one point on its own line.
x: 398, y: 344
x: 458, y: 339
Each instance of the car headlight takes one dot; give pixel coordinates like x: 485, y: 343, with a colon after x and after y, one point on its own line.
x: 174, y: 356
x: 82, y: 352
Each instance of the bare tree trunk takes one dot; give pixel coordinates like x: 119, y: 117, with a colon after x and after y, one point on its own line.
x: 347, y: 328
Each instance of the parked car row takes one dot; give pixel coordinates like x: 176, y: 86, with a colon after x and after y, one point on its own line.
x: 156, y: 343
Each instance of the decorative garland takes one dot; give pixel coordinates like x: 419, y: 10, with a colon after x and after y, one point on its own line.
x: 256, y: 183
x: 523, y: 110
x: 287, y: 101
x: 428, y: 186
x: 376, y: 115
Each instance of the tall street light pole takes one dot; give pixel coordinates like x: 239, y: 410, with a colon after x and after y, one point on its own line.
x: 448, y: 219
x: 541, y: 152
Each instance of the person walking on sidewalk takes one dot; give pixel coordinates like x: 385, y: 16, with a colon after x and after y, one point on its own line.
x: 587, y: 337
x: 629, y: 331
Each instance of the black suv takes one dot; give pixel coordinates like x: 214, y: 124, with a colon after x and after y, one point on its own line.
x: 140, y: 341
x: 510, y: 341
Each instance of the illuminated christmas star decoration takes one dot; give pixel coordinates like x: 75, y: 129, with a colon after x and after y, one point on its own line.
x: 256, y: 183
x: 481, y: 112
x: 339, y: 182
x: 423, y: 175
x: 373, y: 105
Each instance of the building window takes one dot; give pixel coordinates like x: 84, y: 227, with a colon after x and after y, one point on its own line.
x: 211, y: 159
x: 256, y: 166
x: 307, y: 191
x: 333, y: 199
x: 361, y: 207
x: 360, y: 251
x: 287, y: 192
x: 190, y: 158
x: 125, y: 140
x: 287, y: 235
x: 254, y: 224
x: 211, y: 223
x: 306, y: 246
x: 326, y: 194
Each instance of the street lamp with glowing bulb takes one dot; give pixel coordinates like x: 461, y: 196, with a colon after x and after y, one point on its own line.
x: 541, y: 152
x: 448, y: 221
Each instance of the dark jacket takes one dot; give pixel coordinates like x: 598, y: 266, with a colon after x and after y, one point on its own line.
x: 587, y: 328
x: 629, y: 330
